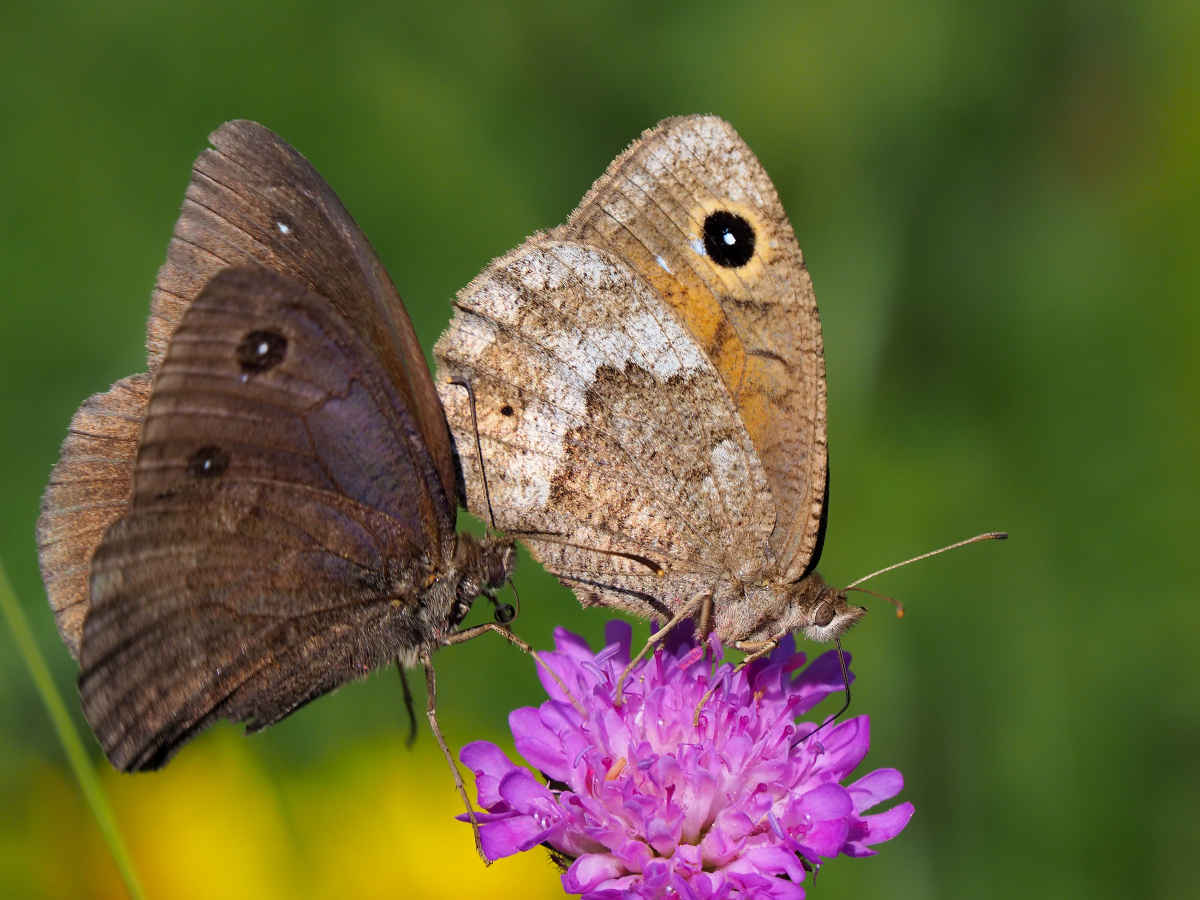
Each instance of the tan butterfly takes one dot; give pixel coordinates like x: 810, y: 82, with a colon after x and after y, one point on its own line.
x: 650, y: 387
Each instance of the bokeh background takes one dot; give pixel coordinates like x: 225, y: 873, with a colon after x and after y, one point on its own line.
x: 1000, y: 207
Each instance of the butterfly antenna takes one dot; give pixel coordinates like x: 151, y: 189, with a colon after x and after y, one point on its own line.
x: 487, y: 495
x: 896, y: 603
x: 990, y: 536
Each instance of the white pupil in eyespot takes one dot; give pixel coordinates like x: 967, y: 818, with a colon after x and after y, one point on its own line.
x: 283, y: 228
x: 263, y: 348
x: 207, y: 464
x: 730, y: 239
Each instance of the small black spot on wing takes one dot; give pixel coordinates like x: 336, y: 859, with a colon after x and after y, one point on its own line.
x: 506, y: 410
x: 208, y: 462
x: 261, y: 350
x: 728, y: 239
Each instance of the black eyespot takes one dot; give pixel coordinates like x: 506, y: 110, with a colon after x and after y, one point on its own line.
x: 208, y: 462
x: 728, y: 239
x: 505, y: 613
x: 506, y: 410
x: 825, y: 614
x: 261, y: 350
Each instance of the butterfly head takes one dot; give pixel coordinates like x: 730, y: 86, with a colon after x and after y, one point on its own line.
x: 482, y: 566
x: 821, y: 611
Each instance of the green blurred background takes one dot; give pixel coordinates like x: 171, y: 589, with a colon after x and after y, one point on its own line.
x: 1000, y: 208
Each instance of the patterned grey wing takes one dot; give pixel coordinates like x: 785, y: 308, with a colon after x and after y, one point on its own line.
x: 690, y: 208
x: 611, y: 445
x: 285, y: 514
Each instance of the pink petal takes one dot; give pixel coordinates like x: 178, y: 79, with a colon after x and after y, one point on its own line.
x: 633, y: 855
x: 509, y: 836
x: 572, y: 645
x: 857, y: 850
x: 883, y: 827
x: 826, y: 838
x: 880, y: 785
x: 774, y: 860
x: 590, y: 871
x: 829, y: 801
x: 522, y: 791
x: 489, y: 764
x: 539, y: 745
x: 618, y: 632
x: 822, y: 678
x: 845, y: 746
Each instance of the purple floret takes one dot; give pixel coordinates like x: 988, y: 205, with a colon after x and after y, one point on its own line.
x: 646, y: 803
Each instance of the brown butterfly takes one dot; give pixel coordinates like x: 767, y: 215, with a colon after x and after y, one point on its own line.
x: 270, y: 513
x: 651, y: 395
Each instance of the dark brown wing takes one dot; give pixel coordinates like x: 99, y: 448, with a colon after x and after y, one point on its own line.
x: 254, y: 199
x: 285, y: 513
x: 89, y: 490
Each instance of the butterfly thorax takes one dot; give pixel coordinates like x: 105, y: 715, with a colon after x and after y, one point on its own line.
x: 477, y: 567
x: 768, y: 609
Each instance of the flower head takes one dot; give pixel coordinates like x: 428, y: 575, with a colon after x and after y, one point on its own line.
x: 645, y: 800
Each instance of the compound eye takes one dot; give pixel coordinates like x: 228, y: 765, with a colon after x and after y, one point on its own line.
x: 825, y: 614
x: 505, y: 613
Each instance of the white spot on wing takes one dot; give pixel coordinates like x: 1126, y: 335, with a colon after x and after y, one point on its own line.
x: 283, y: 227
x: 698, y: 246
x: 662, y: 262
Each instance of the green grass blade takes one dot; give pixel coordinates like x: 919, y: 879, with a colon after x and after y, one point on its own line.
x: 89, y: 781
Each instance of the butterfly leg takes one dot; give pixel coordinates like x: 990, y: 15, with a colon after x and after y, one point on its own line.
x: 408, y: 705
x: 431, y: 712
x: 700, y: 601
x: 475, y: 631
x: 755, y: 650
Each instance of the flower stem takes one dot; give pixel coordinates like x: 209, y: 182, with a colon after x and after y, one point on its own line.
x: 68, y: 735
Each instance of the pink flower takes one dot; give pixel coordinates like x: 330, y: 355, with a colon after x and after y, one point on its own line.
x: 644, y: 802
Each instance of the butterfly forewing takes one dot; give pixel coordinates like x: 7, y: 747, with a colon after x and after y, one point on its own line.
x: 691, y: 209
x: 254, y: 199
x: 285, y: 513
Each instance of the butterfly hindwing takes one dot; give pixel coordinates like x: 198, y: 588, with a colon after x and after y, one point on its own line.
x: 89, y: 490
x: 609, y: 435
